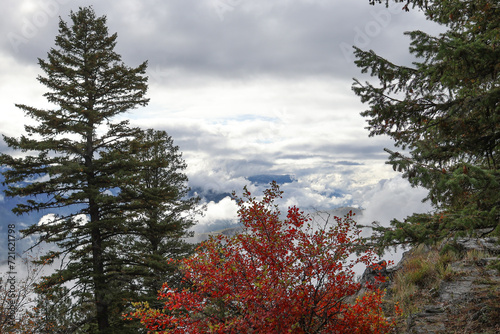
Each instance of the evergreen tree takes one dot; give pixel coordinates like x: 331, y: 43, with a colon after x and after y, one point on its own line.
x: 159, y: 212
x: 444, y: 113
x: 67, y: 164
x: 163, y: 211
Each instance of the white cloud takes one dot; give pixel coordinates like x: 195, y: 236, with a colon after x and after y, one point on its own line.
x: 47, y: 219
x: 266, y: 89
x: 16, y: 77
x: 107, y: 192
x: 226, y: 209
x: 50, y: 218
x: 393, y: 198
x: 80, y: 219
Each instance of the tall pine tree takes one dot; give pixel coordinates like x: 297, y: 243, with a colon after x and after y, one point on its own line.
x: 68, y: 164
x: 444, y: 113
x: 158, y: 211
x: 163, y: 212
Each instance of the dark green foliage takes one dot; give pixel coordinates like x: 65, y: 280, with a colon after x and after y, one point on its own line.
x: 89, y: 85
x: 444, y: 111
x: 158, y: 215
x: 118, y: 191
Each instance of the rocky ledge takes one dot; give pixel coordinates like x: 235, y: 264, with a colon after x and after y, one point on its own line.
x: 461, y: 297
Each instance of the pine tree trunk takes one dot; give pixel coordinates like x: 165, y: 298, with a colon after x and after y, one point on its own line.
x: 99, y: 278
x: 99, y: 281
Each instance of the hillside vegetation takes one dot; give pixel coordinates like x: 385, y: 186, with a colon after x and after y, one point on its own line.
x: 450, y: 288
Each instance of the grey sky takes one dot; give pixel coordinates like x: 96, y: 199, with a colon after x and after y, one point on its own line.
x: 245, y: 87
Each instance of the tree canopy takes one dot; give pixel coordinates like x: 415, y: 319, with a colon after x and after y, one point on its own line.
x: 444, y: 114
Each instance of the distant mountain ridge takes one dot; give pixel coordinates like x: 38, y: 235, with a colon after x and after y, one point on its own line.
x: 207, y: 195
x: 211, y: 195
x: 268, y: 178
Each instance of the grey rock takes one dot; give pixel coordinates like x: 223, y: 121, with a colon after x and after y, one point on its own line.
x: 485, y: 244
x: 371, y: 274
x: 465, y: 289
x: 430, y: 321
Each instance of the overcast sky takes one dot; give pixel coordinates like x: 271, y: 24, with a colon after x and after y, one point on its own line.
x: 244, y: 87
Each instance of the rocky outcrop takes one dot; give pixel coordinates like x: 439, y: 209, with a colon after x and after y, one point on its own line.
x: 467, y: 300
x: 431, y: 320
x: 457, y: 301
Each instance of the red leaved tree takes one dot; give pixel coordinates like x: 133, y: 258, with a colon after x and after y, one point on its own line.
x: 278, y: 276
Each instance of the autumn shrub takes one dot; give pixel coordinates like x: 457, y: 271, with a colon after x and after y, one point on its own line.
x: 278, y: 276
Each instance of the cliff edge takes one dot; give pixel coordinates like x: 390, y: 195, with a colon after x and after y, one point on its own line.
x: 451, y: 288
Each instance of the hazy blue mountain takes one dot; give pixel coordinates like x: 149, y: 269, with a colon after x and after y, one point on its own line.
x: 21, y: 222
x: 209, y: 195
x: 7, y: 217
x: 268, y: 178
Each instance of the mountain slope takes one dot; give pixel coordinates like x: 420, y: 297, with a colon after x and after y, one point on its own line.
x: 454, y: 288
